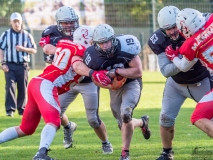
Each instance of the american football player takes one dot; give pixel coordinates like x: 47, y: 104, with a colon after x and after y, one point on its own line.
x: 120, y: 55
x: 179, y: 85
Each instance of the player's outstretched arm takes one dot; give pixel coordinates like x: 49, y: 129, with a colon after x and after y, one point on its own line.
x: 99, y: 77
x: 183, y: 64
x: 79, y: 67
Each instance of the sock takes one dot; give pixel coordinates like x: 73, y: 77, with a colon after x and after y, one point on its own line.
x: 68, y: 126
x: 8, y: 134
x: 143, y: 123
x: 47, y: 136
x: 167, y: 150
x: 124, y: 152
x: 105, y: 142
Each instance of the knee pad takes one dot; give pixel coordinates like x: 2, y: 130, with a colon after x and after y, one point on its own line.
x: 126, y: 115
x: 166, y: 120
x: 126, y: 118
x: 94, y: 123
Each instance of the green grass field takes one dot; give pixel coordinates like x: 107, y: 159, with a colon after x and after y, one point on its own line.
x: 87, y: 145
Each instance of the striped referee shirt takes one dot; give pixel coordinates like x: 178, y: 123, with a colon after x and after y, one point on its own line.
x: 8, y: 41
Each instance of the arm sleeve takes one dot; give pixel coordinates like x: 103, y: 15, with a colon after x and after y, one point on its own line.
x: 183, y: 64
x: 167, y: 68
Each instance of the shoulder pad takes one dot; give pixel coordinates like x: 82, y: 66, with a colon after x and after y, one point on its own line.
x: 49, y: 30
x: 129, y: 44
x: 157, y: 37
x: 158, y: 42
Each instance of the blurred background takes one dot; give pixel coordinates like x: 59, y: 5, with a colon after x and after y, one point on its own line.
x: 136, y: 17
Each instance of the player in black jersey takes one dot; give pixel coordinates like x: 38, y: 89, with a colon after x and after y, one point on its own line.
x: 119, y: 55
x: 67, y: 23
x: 179, y: 85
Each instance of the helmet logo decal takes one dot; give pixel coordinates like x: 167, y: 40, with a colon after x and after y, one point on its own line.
x: 84, y: 33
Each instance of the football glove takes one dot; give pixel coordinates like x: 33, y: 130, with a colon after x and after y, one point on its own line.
x: 171, y: 53
x: 48, y: 58
x: 113, y: 72
x: 44, y: 40
x: 101, y: 77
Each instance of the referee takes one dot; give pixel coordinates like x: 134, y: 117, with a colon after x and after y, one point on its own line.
x: 15, y: 46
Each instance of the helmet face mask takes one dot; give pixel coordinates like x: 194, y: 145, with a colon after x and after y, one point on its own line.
x: 172, y: 33
x: 189, y: 21
x: 109, y: 52
x: 67, y: 20
x: 104, y: 33
x: 67, y: 28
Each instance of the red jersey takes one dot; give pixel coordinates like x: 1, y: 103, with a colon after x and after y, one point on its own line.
x: 200, y: 45
x: 60, y: 72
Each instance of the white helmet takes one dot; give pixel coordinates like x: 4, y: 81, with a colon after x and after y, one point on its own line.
x: 189, y: 21
x: 167, y: 16
x: 66, y: 14
x: 104, y: 33
x: 83, y: 35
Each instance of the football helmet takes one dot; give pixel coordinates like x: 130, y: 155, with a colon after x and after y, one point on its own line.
x: 167, y: 20
x: 103, y: 33
x: 189, y: 21
x: 83, y: 35
x: 67, y: 14
x: 167, y: 17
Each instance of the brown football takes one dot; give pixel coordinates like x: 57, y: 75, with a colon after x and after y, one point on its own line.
x: 119, y: 77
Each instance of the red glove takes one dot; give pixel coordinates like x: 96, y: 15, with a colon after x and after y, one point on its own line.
x: 101, y: 77
x: 44, y: 40
x: 171, y: 53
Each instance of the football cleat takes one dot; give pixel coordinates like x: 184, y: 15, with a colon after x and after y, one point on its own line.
x: 68, y: 134
x: 166, y: 156
x: 145, y: 129
x: 124, y: 156
x: 107, y: 148
x: 10, y: 114
x: 42, y: 156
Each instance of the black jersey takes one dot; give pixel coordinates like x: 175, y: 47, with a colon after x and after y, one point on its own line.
x: 121, y: 57
x: 158, y: 43
x: 55, y: 36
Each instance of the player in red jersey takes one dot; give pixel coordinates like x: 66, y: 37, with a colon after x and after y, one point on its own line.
x: 198, y: 31
x: 43, y: 92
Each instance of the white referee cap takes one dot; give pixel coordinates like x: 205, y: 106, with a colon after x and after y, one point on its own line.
x: 15, y: 15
